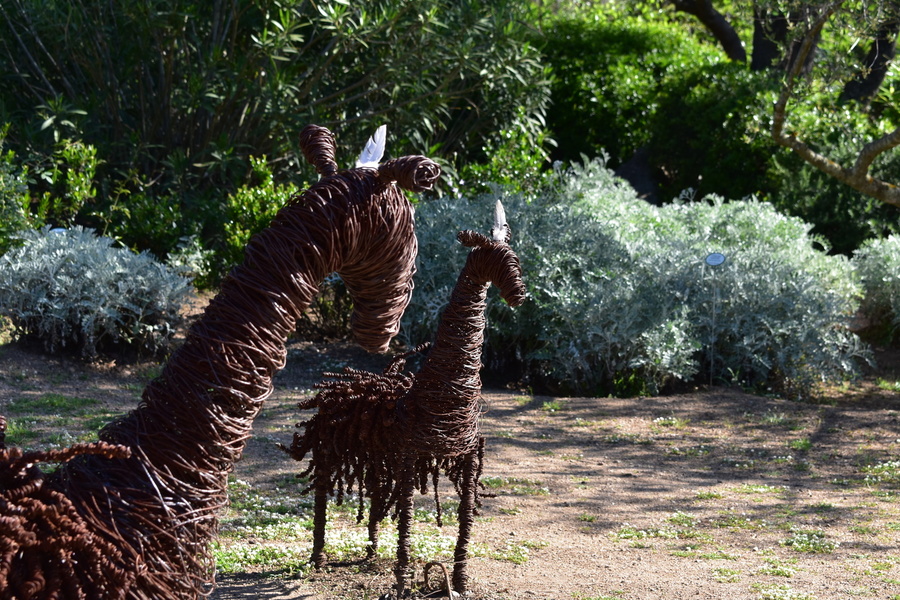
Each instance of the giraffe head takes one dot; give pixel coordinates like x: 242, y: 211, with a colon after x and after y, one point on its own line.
x: 493, y: 260
x: 365, y: 221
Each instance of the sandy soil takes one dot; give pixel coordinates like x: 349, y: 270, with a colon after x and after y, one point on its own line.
x: 712, y: 494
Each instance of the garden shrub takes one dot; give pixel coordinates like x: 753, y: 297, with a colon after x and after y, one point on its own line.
x: 151, y: 222
x: 621, y: 300
x: 68, y: 288
x: 878, y: 264
x: 64, y: 181
x: 14, y: 199
x: 250, y: 209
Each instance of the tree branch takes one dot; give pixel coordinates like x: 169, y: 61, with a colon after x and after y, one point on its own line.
x: 857, y: 177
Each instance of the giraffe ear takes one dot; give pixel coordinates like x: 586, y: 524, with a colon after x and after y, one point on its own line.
x: 317, y: 144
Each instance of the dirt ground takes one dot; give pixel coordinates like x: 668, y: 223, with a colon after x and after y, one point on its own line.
x: 711, y: 494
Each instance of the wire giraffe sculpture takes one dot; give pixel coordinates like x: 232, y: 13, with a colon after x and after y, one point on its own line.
x: 389, y: 434
x: 132, y: 516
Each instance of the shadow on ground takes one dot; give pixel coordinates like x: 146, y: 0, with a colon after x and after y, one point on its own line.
x: 262, y: 586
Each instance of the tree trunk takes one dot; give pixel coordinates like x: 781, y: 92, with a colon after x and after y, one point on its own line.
x: 769, y: 34
x: 772, y: 46
x: 717, y: 25
x: 875, y: 66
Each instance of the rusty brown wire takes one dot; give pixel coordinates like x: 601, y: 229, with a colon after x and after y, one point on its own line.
x: 157, y: 507
x: 47, y: 549
x: 387, y: 435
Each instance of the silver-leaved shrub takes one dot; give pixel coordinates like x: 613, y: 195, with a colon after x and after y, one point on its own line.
x: 622, y: 300
x: 878, y: 264
x: 69, y: 288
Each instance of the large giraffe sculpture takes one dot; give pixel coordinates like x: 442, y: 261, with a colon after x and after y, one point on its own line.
x: 388, y: 434
x: 133, y: 515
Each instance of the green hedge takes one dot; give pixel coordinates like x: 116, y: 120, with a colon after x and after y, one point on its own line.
x: 608, y: 78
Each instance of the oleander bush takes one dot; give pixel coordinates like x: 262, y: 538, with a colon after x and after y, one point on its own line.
x: 158, y: 106
x: 621, y: 299
x: 878, y: 263
x: 70, y: 289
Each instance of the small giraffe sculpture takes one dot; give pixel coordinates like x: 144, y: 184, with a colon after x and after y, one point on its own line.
x: 132, y: 516
x: 388, y: 434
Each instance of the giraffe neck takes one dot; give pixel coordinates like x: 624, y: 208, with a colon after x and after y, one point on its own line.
x: 455, y: 356
x: 443, y: 407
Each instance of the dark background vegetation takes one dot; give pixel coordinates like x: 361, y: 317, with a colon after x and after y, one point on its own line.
x: 140, y: 118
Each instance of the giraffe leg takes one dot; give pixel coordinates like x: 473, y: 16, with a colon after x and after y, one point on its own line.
x: 466, y: 519
x: 374, y: 521
x: 405, y: 510
x: 319, y: 520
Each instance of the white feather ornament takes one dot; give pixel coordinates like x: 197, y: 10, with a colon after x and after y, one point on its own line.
x: 374, y: 150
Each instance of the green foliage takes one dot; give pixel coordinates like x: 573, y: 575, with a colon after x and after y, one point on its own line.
x: 710, y: 131
x: 250, y: 209
x: 175, y: 97
x: 514, y: 162
x: 624, y: 83
x: 621, y: 299
x: 157, y: 224
x: 68, y: 288
x: 65, y: 182
x: 627, y: 77
x: 608, y: 77
x: 878, y: 264
x: 14, y: 199
x: 50, y: 403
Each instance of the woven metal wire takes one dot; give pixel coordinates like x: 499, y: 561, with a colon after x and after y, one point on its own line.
x: 386, y: 435
x: 35, y: 517
x: 151, y: 508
